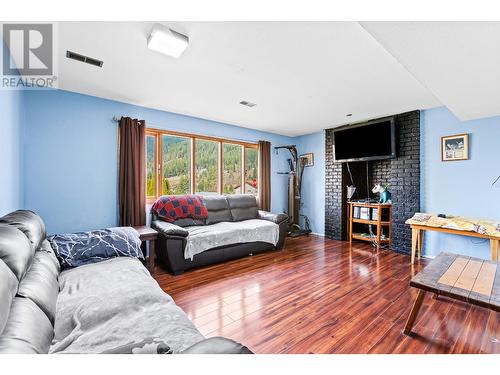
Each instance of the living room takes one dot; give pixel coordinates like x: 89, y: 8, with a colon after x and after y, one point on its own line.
x: 266, y: 187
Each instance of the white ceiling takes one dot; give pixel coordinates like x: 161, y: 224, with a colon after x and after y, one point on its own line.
x: 304, y: 76
x: 459, y: 62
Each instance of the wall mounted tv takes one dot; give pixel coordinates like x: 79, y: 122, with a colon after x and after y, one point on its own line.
x: 373, y: 140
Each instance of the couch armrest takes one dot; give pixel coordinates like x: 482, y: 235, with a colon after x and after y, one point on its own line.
x: 169, y: 229
x: 275, y: 218
x: 217, y: 345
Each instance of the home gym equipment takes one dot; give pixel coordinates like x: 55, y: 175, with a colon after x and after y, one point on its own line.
x: 295, y: 174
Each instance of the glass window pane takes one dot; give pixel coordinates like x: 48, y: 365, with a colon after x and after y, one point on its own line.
x: 206, y: 165
x: 231, y: 165
x: 150, y: 166
x: 176, y: 164
x: 251, y: 171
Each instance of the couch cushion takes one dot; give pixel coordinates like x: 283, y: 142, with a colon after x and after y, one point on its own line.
x: 8, y: 289
x: 188, y: 222
x: 15, y: 250
x: 218, y: 209
x: 29, y: 223
x: 28, y: 330
x: 227, y: 233
x: 243, y: 207
x: 40, y: 284
x: 169, y: 229
x: 217, y: 345
x: 51, y: 256
x: 117, y: 302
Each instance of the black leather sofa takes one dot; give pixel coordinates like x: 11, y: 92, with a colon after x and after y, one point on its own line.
x: 232, y: 208
x: 29, y: 289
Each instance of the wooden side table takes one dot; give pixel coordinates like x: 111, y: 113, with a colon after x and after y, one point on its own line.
x: 417, y: 239
x: 148, y: 234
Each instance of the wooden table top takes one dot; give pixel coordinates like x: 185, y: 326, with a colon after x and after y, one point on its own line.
x: 474, y: 280
x: 146, y: 233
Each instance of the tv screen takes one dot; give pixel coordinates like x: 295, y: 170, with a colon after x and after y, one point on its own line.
x: 369, y: 141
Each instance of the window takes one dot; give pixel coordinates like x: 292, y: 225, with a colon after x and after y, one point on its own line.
x: 251, y: 171
x: 178, y: 163
x: 231, y: 171
x: 206, y: 165
x: 150, y: 166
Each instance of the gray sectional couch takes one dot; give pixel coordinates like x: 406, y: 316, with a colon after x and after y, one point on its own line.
x: 235, y: 228
x: 107, y: 307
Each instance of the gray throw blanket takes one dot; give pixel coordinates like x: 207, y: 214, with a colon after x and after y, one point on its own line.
x: 202, y: 238
x: 105, y: 305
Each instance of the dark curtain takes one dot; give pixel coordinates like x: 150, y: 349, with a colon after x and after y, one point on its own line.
x: 132, y: 172
x: 265, y: 175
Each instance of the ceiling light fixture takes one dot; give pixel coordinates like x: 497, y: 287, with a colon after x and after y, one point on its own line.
x: 248, y: 104
x: 167, y: 41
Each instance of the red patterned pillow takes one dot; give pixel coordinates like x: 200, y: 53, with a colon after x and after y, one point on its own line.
x: 174, y: 207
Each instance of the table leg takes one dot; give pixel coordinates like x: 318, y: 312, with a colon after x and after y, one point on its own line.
x: 494, y: 247
x: 144, y: 249
x: 414, y: 239
x: 152, y: 256
x: 414, y: 311
x: 420, y: 242
x: 349, y: 227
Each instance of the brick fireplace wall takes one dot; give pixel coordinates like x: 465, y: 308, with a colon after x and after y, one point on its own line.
x: 401, y: 173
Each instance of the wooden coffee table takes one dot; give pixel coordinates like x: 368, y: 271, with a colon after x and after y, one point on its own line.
x: 472, y: 280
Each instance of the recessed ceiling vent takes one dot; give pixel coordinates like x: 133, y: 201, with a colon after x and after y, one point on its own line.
x: 84, y: 59
x: 248, y: 104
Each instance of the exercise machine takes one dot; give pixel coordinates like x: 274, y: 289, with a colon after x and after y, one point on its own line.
x: 295, y: 174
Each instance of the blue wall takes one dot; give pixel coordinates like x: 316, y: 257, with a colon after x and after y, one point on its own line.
x: 11, y: 151
x: 70, y: 159
x: 71, y: 156
x: 459, y: 187
x: 313, y: 182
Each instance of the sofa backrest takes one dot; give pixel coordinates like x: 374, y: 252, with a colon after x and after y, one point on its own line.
x: 243, y: 207
x: 28, y: 284
x: 218, y: 209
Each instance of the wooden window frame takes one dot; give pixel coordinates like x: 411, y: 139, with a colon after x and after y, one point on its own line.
x: 158, y: 133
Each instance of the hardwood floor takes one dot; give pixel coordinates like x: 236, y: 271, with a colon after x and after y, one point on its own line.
x: 324, y: 296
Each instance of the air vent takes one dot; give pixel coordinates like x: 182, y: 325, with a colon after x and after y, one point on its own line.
x: 248, y: 104
x: 85, y: 59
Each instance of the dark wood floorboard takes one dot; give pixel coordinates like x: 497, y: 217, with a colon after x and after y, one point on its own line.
x: 325, y: 296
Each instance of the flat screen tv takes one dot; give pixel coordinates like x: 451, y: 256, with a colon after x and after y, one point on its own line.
x: 373, y: 140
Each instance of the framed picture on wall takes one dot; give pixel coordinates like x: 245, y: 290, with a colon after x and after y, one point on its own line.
x: 455, y: 147
x: 308, y: 159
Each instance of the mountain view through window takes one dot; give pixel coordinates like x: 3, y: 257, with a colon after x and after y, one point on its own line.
x: 184, y: 158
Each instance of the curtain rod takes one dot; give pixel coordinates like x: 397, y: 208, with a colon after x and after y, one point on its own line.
x: 117, y: 120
